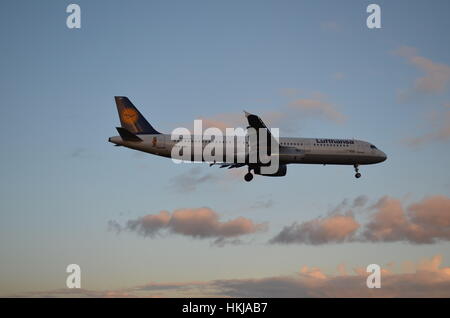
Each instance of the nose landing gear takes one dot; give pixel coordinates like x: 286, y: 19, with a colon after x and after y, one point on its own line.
x: 357, y: 174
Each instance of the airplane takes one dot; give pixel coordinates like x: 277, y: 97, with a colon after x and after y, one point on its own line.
x: 137, y: 133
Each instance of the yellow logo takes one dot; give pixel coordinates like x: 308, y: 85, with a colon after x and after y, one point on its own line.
x: 154, y: 141
x: 129, y: 116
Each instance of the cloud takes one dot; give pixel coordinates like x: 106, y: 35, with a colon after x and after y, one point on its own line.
x: 233, y: 120
x: 78, y: 152
x: 360, y: 201
x: 349, y: 205
x: 198, y: 223
x: 338, y: 76
x: 150, y: 224
x: 440, y: 133
x: 189, y: 181
x: 286, y: 116
x: 224, y: 121
x: 423, y: 222
x: 289, y: 92
x: 427, y: 278
x: 75, y: 293
x: 435, y: 77
x: 262, y: 204
x: 192, y: 179
x: 315, y: 283
x: 432, y: 281
x: 318, y: 107
x: 335, y: 228
x: 434, y: 81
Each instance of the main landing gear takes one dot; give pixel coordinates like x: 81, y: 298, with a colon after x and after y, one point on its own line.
x: 248, y: 176
x: 357, y: 175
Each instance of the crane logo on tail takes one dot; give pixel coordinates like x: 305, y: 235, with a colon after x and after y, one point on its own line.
x: 129, y: 116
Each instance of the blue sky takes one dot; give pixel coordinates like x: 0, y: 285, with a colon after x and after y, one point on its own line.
x: 180, y: 60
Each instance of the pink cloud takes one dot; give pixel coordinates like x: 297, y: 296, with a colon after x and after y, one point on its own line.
x: 285, y: 117
x: 197, y: 223
x: 335, y: 228
x: 318, y: 107
x: 436, y: 75
x: 423, y: 222
x: 427, y: 278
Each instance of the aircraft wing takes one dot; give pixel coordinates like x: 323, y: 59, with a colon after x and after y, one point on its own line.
x: 228, y: 165
x: 256, y: 122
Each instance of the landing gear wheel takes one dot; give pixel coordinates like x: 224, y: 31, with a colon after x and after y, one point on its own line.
x: 357, y: 175
x: 248, y: 177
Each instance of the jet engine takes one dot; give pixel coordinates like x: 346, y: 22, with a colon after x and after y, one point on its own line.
x: 281, y: 172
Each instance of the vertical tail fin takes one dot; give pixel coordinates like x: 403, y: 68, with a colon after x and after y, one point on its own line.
x: 131, y: 119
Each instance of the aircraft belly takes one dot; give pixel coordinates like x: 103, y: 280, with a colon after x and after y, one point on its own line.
x: 336, y: 159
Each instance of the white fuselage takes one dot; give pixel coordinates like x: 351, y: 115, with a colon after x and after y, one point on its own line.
x: 292, y: 150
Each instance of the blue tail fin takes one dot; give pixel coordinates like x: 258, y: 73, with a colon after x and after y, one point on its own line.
x: 131, y: 119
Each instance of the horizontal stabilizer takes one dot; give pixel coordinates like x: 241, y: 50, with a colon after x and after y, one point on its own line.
x: 126, y: 135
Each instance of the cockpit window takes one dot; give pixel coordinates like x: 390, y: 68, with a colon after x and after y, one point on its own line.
x: 373, y: 147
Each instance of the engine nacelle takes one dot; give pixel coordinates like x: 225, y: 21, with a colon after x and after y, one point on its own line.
x: 281, y: 172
